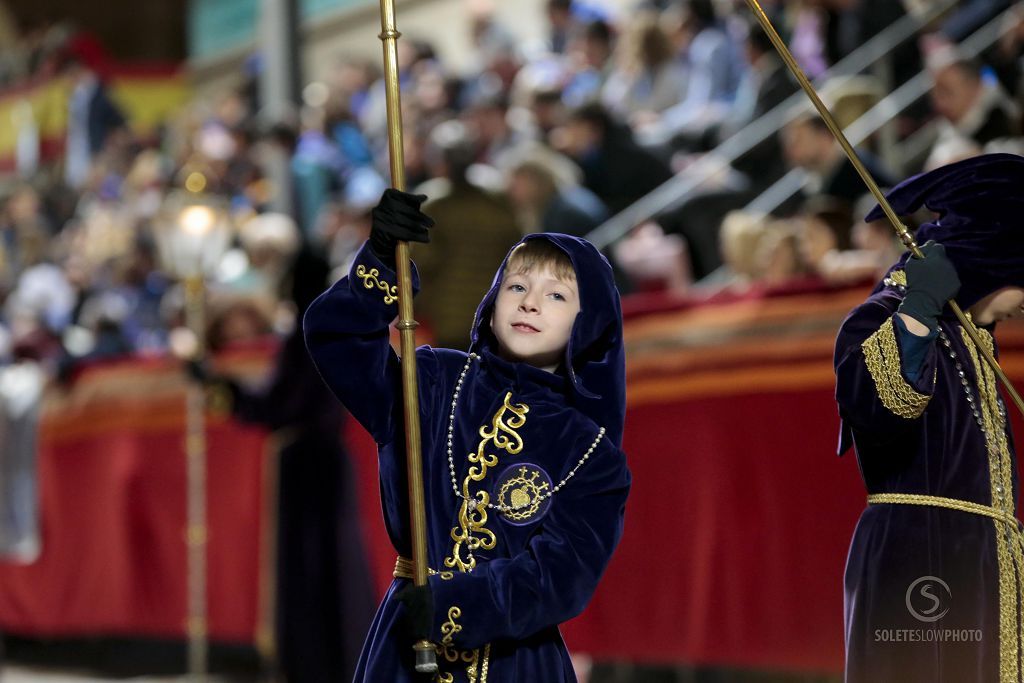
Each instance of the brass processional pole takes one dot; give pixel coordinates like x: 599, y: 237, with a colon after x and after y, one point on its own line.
x: 897, y: 224
x: 426, y: 661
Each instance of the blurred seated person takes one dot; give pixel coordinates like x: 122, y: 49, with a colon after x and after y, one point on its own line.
x: 740, y: 237
x: 766, y: 83
x: 778, y: 260
x: 970, y: 107
x: 826, y: 227
x: 808, y: 144
x: 237, y: 320
x: 475, y: 229
x: 615, y: 168
x: 590, y: 55
x: 344, y: 223
x: 648, y: 78
x: 547, y: 198
x: 652, y: 260
x: 714, y: 72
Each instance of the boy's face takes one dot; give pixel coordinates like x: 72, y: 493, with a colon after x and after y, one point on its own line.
x: 1000, y: 305
x: 533, y: 317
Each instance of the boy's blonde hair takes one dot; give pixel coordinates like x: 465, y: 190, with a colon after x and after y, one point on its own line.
x: 540, y: 253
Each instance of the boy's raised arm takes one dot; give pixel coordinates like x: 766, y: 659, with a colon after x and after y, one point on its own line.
x: 347, y: 334
x: 347, y: 327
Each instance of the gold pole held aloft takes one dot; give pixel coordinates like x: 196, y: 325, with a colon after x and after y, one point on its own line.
x: 426, y: 661
x: 901, y: 230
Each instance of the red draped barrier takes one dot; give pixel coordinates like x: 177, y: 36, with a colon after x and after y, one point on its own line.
x: 112, y: 487
x: 736, y: 529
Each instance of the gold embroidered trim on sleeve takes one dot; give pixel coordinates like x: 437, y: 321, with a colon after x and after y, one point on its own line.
x: 370, y: 280
x: 882, y: 358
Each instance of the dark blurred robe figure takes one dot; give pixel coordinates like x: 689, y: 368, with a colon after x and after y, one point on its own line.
x: 325, y: 599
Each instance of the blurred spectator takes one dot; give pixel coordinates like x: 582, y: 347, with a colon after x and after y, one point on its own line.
x: 825, y: 226
x: 475, y: 229
x: 857, y: 21
x: 21, y: 391
x: 648, y: 78
x: 590, y: 55
x: 875, y: 244
x: 715, y: 69
x: 237, y: 320
x: 808, y: 41
x: 561, y: 21
x: 344, y: 225
x: 615, y: 168
x: 488, y: 117
x: 92, y: 118
x: 1007, y: 59
x: 778, y: 254
x: 317, y: 168
x: 766, y: 83
x: 24, y: 232
x: 971, y: 15
x: 970, y: 107
x: 741, y: 236
x: 654, y: 260
x: 808, y: 144
x: 545, y: 200
x: 270, y: 241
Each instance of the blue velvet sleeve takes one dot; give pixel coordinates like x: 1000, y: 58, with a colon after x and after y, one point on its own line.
x: 884, y: 377
x: 347, y: 334
x: 553, y: 578
x: 913, y: 348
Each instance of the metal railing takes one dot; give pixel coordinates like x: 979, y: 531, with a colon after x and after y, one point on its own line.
x: 681, y: 186
x: 882, y: 113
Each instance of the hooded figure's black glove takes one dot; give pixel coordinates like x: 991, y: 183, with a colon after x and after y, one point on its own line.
x: 398, y: 218
x: 419, y: 611
x: 931, y: 282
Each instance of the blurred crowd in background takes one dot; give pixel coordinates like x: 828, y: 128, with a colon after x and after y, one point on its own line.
x: 555, y: 134
x: 562, y: 132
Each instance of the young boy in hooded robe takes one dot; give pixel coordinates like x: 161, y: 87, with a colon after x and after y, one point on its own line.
x: 525, y: 481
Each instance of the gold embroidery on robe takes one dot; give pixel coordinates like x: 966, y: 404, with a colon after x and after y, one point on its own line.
x: 1009, y: 539
x: 882, y: 358
x: 370, y: 278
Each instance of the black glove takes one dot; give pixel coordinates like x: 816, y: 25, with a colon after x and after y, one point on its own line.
x: 419, y: 611
x: 398, y: 217
x: 931, y: 281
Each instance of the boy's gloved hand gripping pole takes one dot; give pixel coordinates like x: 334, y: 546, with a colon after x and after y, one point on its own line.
x: 901, y: 230
x: 426, y: 661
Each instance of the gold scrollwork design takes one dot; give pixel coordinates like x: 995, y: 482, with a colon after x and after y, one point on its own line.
x: 472, y: 532
x: 371, y: 279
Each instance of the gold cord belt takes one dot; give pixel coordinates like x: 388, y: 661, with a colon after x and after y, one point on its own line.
x: 948, y: 503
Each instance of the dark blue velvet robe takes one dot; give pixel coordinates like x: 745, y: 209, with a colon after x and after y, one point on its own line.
x: 920, y: 437
x: 496, y: 616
